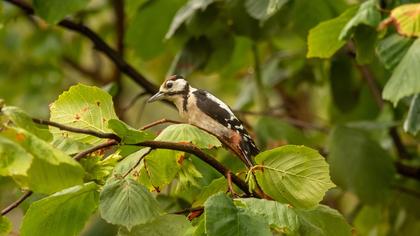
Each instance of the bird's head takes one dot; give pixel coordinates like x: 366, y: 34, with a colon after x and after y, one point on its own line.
x: 175, y: 87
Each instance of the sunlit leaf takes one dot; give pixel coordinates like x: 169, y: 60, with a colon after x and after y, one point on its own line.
x: 360, y: 165
x: 63, y: 213
x: 5, y: 226
x: 323, y: 40
x: 51, y: 169
x: 412, y: 122
x: 128, y: 134
x: 174, y: 225
x: 55, y: 10
x: 405, y: 79
x: 14, y: 160
x: 292, y: 174
x: 392, y: 49
x: 263, y: 9
x: 407, y: 19
x: 185, y: 12
x: 368, y: 14
x: 221, y: 214
x: 98, y: 168
x: 126, y: 202
x: 160, y: 167
x: 21, y: 119
x: 190, y: 134
x: 84, y: 107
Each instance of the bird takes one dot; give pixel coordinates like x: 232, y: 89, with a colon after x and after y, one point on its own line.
x: 202, y: 109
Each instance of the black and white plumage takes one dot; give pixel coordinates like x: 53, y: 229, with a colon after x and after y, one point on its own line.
x: 202, y: 109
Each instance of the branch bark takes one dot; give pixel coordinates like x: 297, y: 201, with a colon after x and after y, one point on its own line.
x: 77, y: 130
x: 100, y: 45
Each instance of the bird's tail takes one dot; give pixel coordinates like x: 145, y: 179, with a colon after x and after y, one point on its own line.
x: 248, y: 150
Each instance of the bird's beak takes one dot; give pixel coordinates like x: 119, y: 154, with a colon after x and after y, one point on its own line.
x: 158, y: 96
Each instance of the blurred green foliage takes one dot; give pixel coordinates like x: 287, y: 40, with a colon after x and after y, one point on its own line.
x: 339, y: 76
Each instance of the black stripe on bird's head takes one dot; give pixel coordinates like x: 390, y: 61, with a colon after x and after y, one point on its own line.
x: 172, y: 88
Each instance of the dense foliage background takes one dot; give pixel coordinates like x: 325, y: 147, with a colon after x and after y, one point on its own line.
x: 339, y: 76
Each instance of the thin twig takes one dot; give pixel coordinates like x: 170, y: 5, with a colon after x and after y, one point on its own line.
x: 16, y: 203
x: 158, y: 122
x: 188, y: 210
x: 408, y: 191
x: 95, y: 148
x: 138, y: 162
x: 376, y: 93
x: 77, y: 130
x: 100, y: 45
x: 298, y: 123
x: 92, y: 74
x: 133, y: 101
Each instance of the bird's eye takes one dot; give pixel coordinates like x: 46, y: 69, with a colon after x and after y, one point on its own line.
x: 169, y: 85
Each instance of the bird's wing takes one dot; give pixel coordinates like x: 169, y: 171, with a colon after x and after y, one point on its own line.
x: 219, y: 111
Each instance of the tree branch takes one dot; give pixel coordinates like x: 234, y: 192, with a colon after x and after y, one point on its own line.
x: 95, y: 148
x: 77, y: 130
x: 158, y: 122
x: 203, y: 156
x: 16, y: 203
x: 100, y: 45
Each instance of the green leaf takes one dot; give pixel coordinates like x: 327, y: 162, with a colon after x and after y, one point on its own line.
x: 98, y: 168
x: 128, y: 203
x: 364, y: 40
x: 217, y: 185
x: 139, y: 33
x: 323, y: 39
x: 405, y: 80
x: 14, y: 160
x: 407, y: 19
x: 22, y: 120
x: 185, y: 13
x: 224, y: 218
x: 174, y: 225
x: 263, y: 9
x: 277, y: 215
x: 160, y: 168
x: 297, y: 175
x: 412, y: 122
x: 55, y: 10
x: 189, y: 133
x: 128, y: 163
x: 392, y: 49
x: 323, y: 221
x: 63, y: 213
x: 84, y: 107
x: 360, y: 165
x: 51, y: 169
x: 128, y: 134
x: 5, y: 226
x: 368, y: 14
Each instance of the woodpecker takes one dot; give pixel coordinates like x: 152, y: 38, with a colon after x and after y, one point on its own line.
x: 204, y: 110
